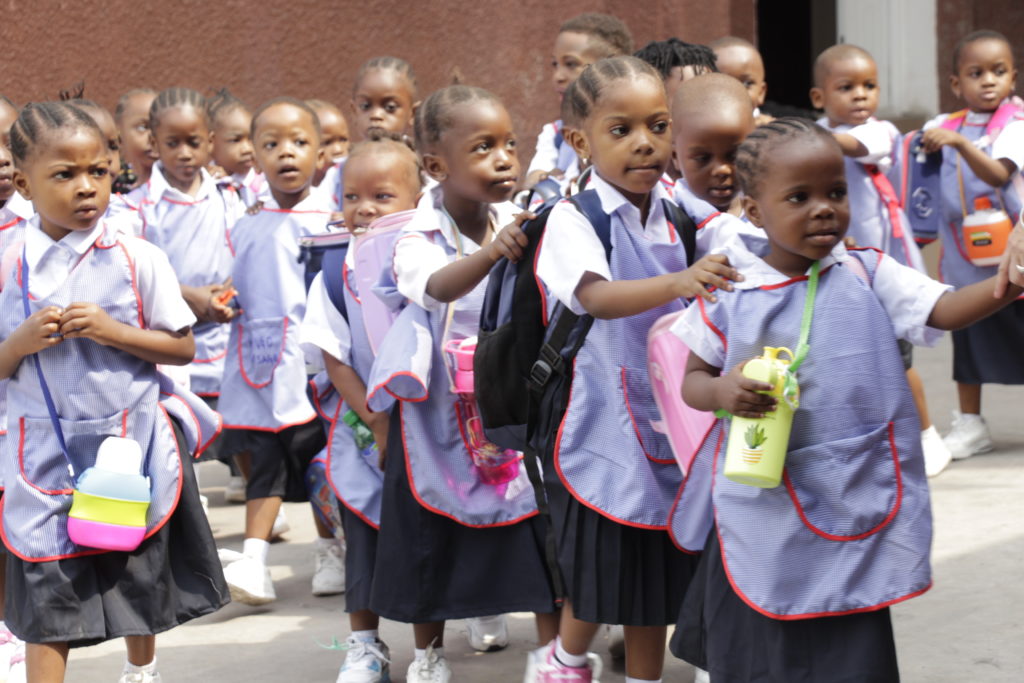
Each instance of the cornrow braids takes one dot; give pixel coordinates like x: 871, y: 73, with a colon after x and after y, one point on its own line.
x: 176, y: 97
x: 665, y: 55
x: 7, y: 100
x: 586, y: 90
x: 973, y: 37
x: 379, y: 140
x: 434, y: 116
x: 609, y: 31
x: 388, y: 63
x: 122, y: 101
x: 38, y: 118
x: 753, y: 154
x: 222, y: 102
x: 75, y: 92
x: 285, y: 100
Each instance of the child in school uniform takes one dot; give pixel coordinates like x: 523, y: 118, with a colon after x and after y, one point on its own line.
x: 269, y: 415
x: 335, y: 143
x: 610, y: 478
x: 87, y: 314
x: 979, y: 162
x: 382, y: 177
x: 795, y: 581
x: 739, y: 58
x: 231, y: 149
x: 847, y: 88
x: 453, y: 543
x: 581, y: 41
x: 131, y: 114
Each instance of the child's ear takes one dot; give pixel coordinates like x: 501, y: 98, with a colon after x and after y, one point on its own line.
x: 21, y: 185
x: 321, y: 157
x: 761, y: 94
x: 579, y: 142
x: 818, y: 98
x: 435, y: 167
x: 752, y: 211
x: 954, y: 85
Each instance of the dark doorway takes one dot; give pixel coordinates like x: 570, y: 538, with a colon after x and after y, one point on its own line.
x: 790, y: 34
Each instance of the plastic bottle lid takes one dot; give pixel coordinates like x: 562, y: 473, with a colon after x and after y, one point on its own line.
x: 119, y: 455
x: 982, y: 203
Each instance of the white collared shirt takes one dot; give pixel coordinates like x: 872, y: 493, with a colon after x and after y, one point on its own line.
x: 417, y: 257
x: 50, y: 263
x: 571, y: 248
x: 907, y: 296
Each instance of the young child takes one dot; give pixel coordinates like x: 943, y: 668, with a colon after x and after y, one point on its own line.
x: 581, y: 41
x: 382, y: 177
x: 798, y: 578
x: 451, y: 545
x: 976, y: 163
x: 677, y: 61
x: 846, y: 88
x: 269, y: 415
x: 335, y: 142
x: 118, y: 200
x: 231, y: 150
x: 132, y: 117
x: 741, y: 60
x: 95, y: 325
x: 610, y: 478
x: 384, y: 97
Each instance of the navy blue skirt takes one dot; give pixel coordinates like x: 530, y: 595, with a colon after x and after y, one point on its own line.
x: 718, y: 632
x: 172, y: 577
x: 360, y: 558
x: 431, y: 568
x: 989, y: 351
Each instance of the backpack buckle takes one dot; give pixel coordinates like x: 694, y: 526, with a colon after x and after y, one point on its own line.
x: 549, y: 363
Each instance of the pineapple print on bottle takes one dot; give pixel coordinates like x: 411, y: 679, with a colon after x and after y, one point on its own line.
x: 756, y: 451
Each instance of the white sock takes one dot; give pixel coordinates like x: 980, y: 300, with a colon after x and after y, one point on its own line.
x: 422, y: 654
x: 575, y: 661
x: 150, y: 668
x: 642, y: 680
x: 368, y: 636
x: 256, y: 548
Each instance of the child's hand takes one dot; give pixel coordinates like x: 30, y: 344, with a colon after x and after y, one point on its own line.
x: 713, y: 269
x: 89, y: 321
x: 254, y: 209
x: 38, y: 331
x: 936, y: 138
x: 379, y: 426
x: 511, y: 241
x: 217, y: 308
x: 739, y: 395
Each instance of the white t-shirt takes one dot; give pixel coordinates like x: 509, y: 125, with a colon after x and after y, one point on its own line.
x: 324, y: 328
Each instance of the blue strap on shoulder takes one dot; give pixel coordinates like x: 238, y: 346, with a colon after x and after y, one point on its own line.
x: 333, y: 268
x: 39, y: 370
x: 589, y: 204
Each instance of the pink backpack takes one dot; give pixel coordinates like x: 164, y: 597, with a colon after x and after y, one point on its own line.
x: 666, y: 366
x: 374, y: 250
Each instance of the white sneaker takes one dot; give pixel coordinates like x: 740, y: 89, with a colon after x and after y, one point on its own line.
x: 487, y: 634
x: 968, y: 436
x: 329, y: 569
x: 538, y: 657
x: 365, y: 662
x: 281, y: 524
x: 140, y: 677
x: 550, y: 670
x: 234, y: 492
x: 247, y: 578
x: 430, y: 669
x: 936, y: 454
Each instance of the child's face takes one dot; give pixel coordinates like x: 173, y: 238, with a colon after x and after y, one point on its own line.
x: 705, y: 147
x: 628, y: 136
x: 105, y: 121
x: 287, y: 151
x: 849, y: 94
x: 986, y: 75
x: 476, y: 158
x: 67, y: 178
x: 800, y: 203
x: 6, y: 173
x: 8, y: 115
x: 182, y: 142
x: 571, y: 56
x: 378, y: 184
x: 232, y: 146
x: 745, y: 65
x: 333, y: 135
x: 383, y: 99
x: 136, y: 144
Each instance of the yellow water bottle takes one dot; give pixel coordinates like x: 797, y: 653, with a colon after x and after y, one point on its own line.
x: 757, y: 447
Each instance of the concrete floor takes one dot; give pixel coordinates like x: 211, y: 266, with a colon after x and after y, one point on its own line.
x: 967, y: 629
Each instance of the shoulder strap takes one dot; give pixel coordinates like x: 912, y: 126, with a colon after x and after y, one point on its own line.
x: 684, y: 226
x: 589, y: 204
x: 954, y: 120
x: 1006, y: 112
x: 333, y: 269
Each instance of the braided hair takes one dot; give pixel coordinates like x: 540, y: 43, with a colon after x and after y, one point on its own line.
x: 176, y: 97
x: 39, y: 118
x: 387, y: 63
x: 753, y: 154
x: 122, y: 102
x: 665, y: 55
x: 586, y: 90
x: 222, y: 102
x: 434, y: 116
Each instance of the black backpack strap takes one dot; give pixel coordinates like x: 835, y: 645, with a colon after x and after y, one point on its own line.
x: 685, y: 227
x: 333, y: 270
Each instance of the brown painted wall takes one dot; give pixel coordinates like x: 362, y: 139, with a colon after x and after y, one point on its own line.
x: 957, y: 18
x: 310, y: 48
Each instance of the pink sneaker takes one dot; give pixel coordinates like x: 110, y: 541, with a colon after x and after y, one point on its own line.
x: 553, y: 671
